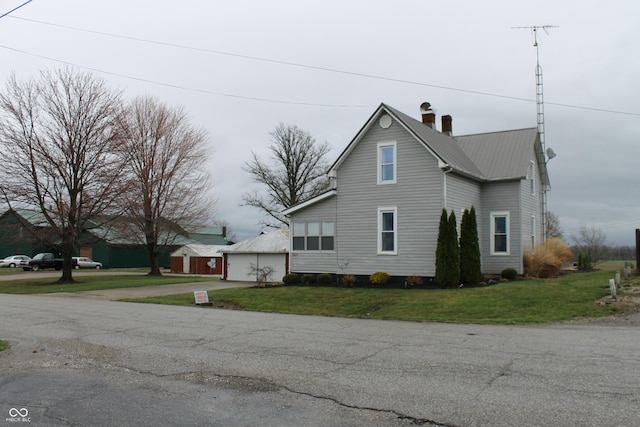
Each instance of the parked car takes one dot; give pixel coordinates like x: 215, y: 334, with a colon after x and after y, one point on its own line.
x: 84, y: 262
x: 41, y: 261
x: 14, y: 261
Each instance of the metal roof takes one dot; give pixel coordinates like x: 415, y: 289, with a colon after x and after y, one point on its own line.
x: 491, y: 156
x: 441, y: 144
x: 199, y: 250
x: 500, y: 155
x: 271, y: 242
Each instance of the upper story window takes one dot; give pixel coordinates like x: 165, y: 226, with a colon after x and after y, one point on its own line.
x: 387, y: 231
x: 313, y: 236
x: 500, y: 233
x: 532, y: 177
x: 387, y: 163
x: 533, y: 232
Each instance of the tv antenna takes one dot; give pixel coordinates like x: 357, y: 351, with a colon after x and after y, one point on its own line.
x: 540, y: 114
x: 539, y: 87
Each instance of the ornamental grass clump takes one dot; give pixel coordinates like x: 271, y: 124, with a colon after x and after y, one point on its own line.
x: 547, y: 258
x: 348, y: 280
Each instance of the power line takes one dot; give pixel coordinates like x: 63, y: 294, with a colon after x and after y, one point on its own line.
x: 209, y: 92
x: 319, y: 68
x: 15, y: 8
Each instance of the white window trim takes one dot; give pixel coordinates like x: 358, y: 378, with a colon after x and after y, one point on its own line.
x: 393, y: 209
x: 493, y: 216
x: 395, y: 162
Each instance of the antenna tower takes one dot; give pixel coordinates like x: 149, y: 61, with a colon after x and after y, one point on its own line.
x: 540, y: 111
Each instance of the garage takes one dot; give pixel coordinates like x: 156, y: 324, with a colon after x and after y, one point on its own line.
x: 245, y: 260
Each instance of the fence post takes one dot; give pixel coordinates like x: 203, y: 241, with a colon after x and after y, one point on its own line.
x: 637, y: 251
x: 612, y: 287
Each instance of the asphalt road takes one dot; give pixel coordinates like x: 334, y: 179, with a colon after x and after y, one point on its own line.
x: 91, y: 361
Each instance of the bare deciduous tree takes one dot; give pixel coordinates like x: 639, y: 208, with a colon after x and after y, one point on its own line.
x: 552, y: 224
x: 164, y: 156
x: 58, y: 140
x: 297, y: 173
x: 590, y: 241
x: 262, y: 274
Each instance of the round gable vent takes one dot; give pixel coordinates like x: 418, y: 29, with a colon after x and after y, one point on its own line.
x: 385, y: 121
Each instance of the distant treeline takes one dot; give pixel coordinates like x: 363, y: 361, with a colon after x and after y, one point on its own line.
x: 611, y: 253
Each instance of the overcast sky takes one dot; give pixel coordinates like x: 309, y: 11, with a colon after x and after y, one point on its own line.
x: 242, y: 67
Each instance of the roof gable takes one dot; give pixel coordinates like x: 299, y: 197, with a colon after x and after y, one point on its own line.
x: 443, y: 147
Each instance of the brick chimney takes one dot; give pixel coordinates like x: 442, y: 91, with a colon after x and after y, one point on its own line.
x: 428, y: 115
x: 447, y: 127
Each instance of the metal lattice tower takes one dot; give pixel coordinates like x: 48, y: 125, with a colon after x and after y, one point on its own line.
x: 540, y: 112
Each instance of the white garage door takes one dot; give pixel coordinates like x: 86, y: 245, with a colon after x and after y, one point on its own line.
x: 239, y: 266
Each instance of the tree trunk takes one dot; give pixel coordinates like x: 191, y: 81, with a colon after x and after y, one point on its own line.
x: 153, y: 260
x: 67, y: 269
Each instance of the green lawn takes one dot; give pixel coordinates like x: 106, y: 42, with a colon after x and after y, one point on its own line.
x: 46, y: 285
x: 3, y: 345
x: 5, y: 271
x: 531, y: 301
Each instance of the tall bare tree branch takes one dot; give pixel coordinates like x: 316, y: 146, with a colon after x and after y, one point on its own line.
x: 164, y: 156
x: 296, y: 173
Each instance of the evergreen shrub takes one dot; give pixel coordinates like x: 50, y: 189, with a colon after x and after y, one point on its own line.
x: 325, y: 279
x: 509, y: 274
x: 470, y: 259
x: 291, y: 279
x: 308, y: 279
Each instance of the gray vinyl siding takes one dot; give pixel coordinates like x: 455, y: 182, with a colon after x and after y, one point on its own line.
x: 531, y: 207
x: 417, y: 196
x: 315, y: 261
x: 462, y: 193
x: 501, y: 197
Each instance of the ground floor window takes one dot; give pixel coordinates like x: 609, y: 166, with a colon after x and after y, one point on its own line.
x: 313, y: 236
x: 500, y: 233
x: 387, y: 231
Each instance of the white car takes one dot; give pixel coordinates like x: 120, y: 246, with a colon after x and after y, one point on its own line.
x: 84, y: 262
x: 14, y: 261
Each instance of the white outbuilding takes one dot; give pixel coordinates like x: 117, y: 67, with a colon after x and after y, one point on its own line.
x: 244, y: 260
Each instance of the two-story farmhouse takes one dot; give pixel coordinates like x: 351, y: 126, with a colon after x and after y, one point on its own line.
x: 391, y: 183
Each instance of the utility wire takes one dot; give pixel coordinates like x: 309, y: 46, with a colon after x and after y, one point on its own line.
x: 314, y: 67
x: 252, y: 98
x: 15, y: 8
